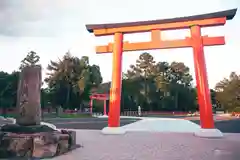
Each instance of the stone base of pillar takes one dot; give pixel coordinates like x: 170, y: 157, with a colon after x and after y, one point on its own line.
x: 113, y: 131
x: 35, y: 141
x: 209, y: 133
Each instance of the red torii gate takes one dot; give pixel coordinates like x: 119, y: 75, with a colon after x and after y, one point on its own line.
x: 196, y: 41
x: 98, y: 96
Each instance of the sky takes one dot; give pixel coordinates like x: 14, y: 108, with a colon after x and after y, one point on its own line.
x: 53, y: 27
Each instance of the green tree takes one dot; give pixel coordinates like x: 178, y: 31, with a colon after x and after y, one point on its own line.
x: 180, y: 79
x: 8, y: 90
x: 214, y: 101
x: 144, y: 69
x: 228, y: 92
x: 162, y: 85
x: 180, y: 74
x: 71, y: 79
x: 90, y: 78
x: 31, y: 59
x: 59, y: 78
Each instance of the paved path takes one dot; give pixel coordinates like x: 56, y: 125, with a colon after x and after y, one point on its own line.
x: 86, y: 123
x: 153, y: 146
x: 228, y: 126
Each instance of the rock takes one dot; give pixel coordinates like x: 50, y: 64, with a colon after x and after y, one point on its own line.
x: 39, y: 145
x: 28, y: 102
x: 73, y: 137
x: 15, y: 145
x: 50, y: 144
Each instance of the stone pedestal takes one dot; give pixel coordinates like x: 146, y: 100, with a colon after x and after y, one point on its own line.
x: 39, y: 145
x: 209, y: 133
x: 113, y: 130
x: 28, y: 138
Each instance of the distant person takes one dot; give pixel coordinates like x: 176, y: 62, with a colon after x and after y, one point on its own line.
x: 139, y: 111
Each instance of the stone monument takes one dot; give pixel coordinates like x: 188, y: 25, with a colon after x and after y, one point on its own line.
x: 28, y: 98
x: 28, y: 138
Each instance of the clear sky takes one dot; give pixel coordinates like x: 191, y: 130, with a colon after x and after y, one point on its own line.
x: 52, y: 27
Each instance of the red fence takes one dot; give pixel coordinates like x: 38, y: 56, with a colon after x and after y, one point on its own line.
x: 236, y: 114
x: 13, y: 111
x: 149, y: 113
x: 9, y: 111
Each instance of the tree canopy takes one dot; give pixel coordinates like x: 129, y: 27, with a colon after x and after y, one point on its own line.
x: 155, y: 85
x: 31, y: 59
x: 228, y: 92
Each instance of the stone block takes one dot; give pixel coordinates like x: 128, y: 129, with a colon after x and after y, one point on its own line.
x: 72, y: 136
x: 50, y: 144
x: 15, y: 145
x: 38, y: 145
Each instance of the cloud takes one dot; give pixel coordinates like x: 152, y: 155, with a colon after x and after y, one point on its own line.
x: 37, y: 17
x: 48, y: 18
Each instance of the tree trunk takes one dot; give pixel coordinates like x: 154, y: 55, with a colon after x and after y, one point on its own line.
x: 145, y: 91
x: 28, y: 98
x: 81, y: 103
x: 145, y: 85
x: 176, y: 100
x: 68, y: 95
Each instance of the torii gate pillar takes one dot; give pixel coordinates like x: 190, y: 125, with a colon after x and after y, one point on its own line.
x: 196, y: 41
